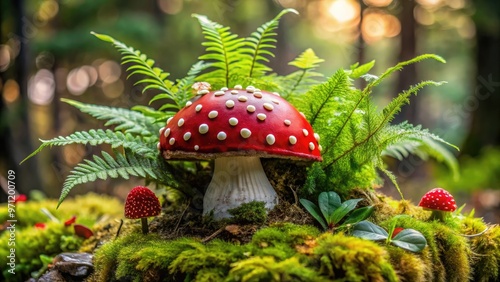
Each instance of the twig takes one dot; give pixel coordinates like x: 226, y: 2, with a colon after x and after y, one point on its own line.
x: 478, y: 234
x: 215, y: 234
x: 180, y: 218
x: 119, y: 228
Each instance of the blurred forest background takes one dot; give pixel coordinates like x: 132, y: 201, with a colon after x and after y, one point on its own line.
x: 47, y: 53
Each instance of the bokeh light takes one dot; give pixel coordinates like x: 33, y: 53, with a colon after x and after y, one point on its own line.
x: 41, y: 87
x: 377, y: 25
x: 344, y: 11
x: 377, y: 3
x: 5, y: 56
x: 78, y: 81
x: 170, y: 7
x: 10, y: 91
x: 109, y: 71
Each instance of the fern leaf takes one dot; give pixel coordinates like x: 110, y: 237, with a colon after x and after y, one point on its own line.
x: 107, y: 167
x: 125, y: 120
x: 258, y: 44
x: 222, y: 50
x: 156, y: 78
x: 307, y: 61
x: 99, y: 136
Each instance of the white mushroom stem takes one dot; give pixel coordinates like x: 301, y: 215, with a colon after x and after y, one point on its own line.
x: 237, y: 180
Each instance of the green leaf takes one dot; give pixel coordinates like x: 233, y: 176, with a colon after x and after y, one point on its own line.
x: 359, y: 214
x: 361, y: 70
x: 369, y: 231
x: 306, y: 60
x: 314, y: 211
x: 345, y: 208
x: 328, y: 203
x: 410, y: 239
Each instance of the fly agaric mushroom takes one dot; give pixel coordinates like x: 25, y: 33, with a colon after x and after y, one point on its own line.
x: 237, y: 127
x: 142, y: 203
x: 439, y: 201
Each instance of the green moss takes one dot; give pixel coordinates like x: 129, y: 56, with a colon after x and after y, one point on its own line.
x: 352, y: 259
x: 249, y: 213
x: 409, y: 267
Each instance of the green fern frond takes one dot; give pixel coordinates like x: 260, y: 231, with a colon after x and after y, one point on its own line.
x: 307, y: 61
x: 108, y: 167
x: 155, y: 78
x: 222, y: 52
x: 124, y: 120
x: 398, y: 67
x: 99, y: 136
x: 259, y: 43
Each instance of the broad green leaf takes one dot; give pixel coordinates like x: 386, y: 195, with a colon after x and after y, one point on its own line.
x: 314, y: 211
x: 359, y: 214
x: 369, y: 231
x: 328, y: 203
x: 410, y: 239
x: 362, y: 70
x: 345, y: 208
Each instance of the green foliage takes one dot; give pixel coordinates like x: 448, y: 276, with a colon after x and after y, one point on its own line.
x: 249, y: 213
x: 408, y: 239
x: 332, y: 210
x: 354, y: 134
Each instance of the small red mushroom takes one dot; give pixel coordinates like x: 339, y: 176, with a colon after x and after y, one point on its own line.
x: 70, y: 221
x: 142, y: 203
x: 237, y: 127
x: 83, y: 231
x: 439, y: 201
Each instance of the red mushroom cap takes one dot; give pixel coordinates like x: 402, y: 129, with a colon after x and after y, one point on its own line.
x: 141, y: 202
x: 70, y: 221
x: 83, y: 231
x: 438, y: 199
x: 239, y: 122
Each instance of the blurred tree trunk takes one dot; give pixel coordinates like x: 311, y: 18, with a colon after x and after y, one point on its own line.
x: 407, y: 51
x: 484, y: 101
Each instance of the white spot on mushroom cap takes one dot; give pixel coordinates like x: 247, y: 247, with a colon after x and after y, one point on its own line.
x: 224, y: 89
x: 221, y: 135
x: 316, y: 136
x: 233, y: 121
x: 198, y: 107
x: 180, y: 122
x: 213, y: 114
x: 166, y: 132
x: 242, y: 98
x: 171, y: 141
x: 158, y: 146
x: 245, y: 132
x: 276, y: 93
x: 219, y: 93
x: 320, y: 148
x: 268, y: 106
x: 302, y: 114
x: 237, y: 86
x: 203, y: 91
x: 311, y: 146
x: 161, y: 129
x: 287, y: 122
x: 270, y: 139
x: 251, y: 108
x: 188, y: 103
x: 275, y: 101
x: 261, y: 116
x: 196, y: 147
x: 229, y: 104
x: 169, y: 120
x: 234, y: 91
x: 250, y: 89
x: 306, y: 133
x: 292, y: 139
x: 186, y: 136
x: 203, y: 128
x: 257, y: 94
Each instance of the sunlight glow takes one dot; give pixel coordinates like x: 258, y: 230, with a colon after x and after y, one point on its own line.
x: 41, y: 87
x: 344, y: 10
